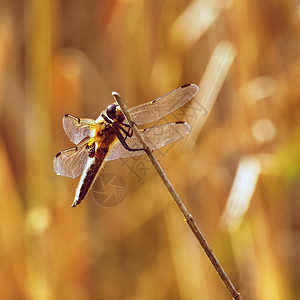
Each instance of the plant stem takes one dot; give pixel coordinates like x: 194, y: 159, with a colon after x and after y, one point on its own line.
x: 187, y: 216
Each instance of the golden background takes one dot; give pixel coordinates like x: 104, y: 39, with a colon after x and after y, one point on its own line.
x: 239, y: 176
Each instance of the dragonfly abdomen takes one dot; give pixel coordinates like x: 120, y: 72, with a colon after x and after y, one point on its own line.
x: 96, y: 160
x: 87, y: 179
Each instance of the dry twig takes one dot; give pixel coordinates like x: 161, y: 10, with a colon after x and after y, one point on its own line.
x: 188, y: 217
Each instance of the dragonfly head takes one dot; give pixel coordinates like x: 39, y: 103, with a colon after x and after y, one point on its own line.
x: 114, y: 112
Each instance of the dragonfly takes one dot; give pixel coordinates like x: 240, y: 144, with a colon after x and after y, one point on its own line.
x: 110, y: 136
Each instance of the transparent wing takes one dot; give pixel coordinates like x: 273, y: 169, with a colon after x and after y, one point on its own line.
x: 77, y: 129
x: 71, y: 162
x: 164, y: 105
x: 155, y: 137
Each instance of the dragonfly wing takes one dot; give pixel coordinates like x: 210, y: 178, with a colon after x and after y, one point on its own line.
x: 77, y: 129
x: 155, y: 137
x: 71, y: 162
x: 164, y: 105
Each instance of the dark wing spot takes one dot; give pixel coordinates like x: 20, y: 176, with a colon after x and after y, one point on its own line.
x: 179, y: 122
x: 58, y: 154
x: 70, y: 116
x: 153, y: 101
x: 185, y: 85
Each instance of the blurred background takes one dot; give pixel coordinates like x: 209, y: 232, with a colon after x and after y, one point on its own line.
x: 238, y: 177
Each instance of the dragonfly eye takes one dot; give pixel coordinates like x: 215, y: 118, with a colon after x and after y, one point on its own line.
x: 111, y: 111
x: 114, y: 112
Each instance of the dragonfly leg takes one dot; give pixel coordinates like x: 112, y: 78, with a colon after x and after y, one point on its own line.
x: 125, y: 145
x: 128, y: 133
